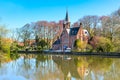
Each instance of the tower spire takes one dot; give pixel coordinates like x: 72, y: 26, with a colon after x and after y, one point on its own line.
x: 67, y: 17
x: 66, y: 23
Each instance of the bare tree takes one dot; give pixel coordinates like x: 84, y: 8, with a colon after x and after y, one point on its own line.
x: 90, y: 23
x: 26, y: 33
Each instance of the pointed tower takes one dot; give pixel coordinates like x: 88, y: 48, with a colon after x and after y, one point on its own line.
x: 66, y: 23
x: 67, y: 17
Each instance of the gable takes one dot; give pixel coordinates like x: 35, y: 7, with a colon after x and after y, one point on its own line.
x: 65, y: 32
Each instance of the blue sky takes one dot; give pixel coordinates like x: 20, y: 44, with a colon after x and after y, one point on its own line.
x: 16, y: 13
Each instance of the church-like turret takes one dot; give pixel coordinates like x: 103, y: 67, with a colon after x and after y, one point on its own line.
x: 67, y: 17
x: 66, y: 23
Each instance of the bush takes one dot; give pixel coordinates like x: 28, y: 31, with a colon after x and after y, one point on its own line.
x: 89, y: 48
x: 5, y: 45
x: 104, y: 45
x: 42, y: 44
x: 80, y: 45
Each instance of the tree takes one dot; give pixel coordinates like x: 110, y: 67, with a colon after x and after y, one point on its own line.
x: 3, y: 33
x: 48, y: 31
x: 42, y: 43
x: 5, y: 45
x: 16, y: 34
x: 104, y: 45
x: 14, y: 46
x: 4, y: 41
x: 26, y: 34
x: 80, y: 45
x: 90, y: 23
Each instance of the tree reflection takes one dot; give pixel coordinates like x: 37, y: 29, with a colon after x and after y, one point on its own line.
x: 99, y: 66
x: 14, y: 56
x: 114, y: 73
x: 4, y: 58
x: 41, y: 58
x: 83, y: 67
x: 46, y: 68
x: 64, y: 67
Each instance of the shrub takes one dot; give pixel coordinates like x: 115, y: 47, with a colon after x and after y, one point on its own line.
x: 80, y: 45
x: 5, y: 45
x: 104, y: 45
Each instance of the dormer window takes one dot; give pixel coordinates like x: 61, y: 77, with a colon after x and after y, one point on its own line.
x: 75, y: 32
x: 85, y: 32
x: 72, y: 32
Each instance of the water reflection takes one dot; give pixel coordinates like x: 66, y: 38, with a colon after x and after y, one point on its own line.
x: 60, y: 67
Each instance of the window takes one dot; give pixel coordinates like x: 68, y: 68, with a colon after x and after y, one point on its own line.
x: 85, y: 32
x: 75, y: 32
x: 72, y: 32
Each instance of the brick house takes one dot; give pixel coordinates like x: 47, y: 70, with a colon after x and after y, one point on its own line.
x: 69, y: 35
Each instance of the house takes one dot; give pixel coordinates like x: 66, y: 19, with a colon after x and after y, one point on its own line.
x: 69, y: 35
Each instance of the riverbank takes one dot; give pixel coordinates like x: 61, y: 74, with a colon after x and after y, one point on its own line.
x: 108, y: 54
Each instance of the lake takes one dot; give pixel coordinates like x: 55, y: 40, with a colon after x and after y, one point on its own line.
x: 60, y: 67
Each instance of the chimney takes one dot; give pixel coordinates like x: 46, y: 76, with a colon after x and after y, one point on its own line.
x: 80, y: 24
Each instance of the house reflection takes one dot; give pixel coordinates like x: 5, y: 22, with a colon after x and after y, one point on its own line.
x: 76, y: 67
x: 82, y: 67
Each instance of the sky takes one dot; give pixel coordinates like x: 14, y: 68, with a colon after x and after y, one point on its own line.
x: 16, y: 13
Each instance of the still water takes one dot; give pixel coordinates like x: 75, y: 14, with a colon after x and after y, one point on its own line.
x: 60, y: 67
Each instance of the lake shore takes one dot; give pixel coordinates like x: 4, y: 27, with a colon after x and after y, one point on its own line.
x: 108, y: 54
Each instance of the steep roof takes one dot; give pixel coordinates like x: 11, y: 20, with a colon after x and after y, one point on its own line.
x: 67, y: 17
x: 74, y: 31
x: 56, y: 42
